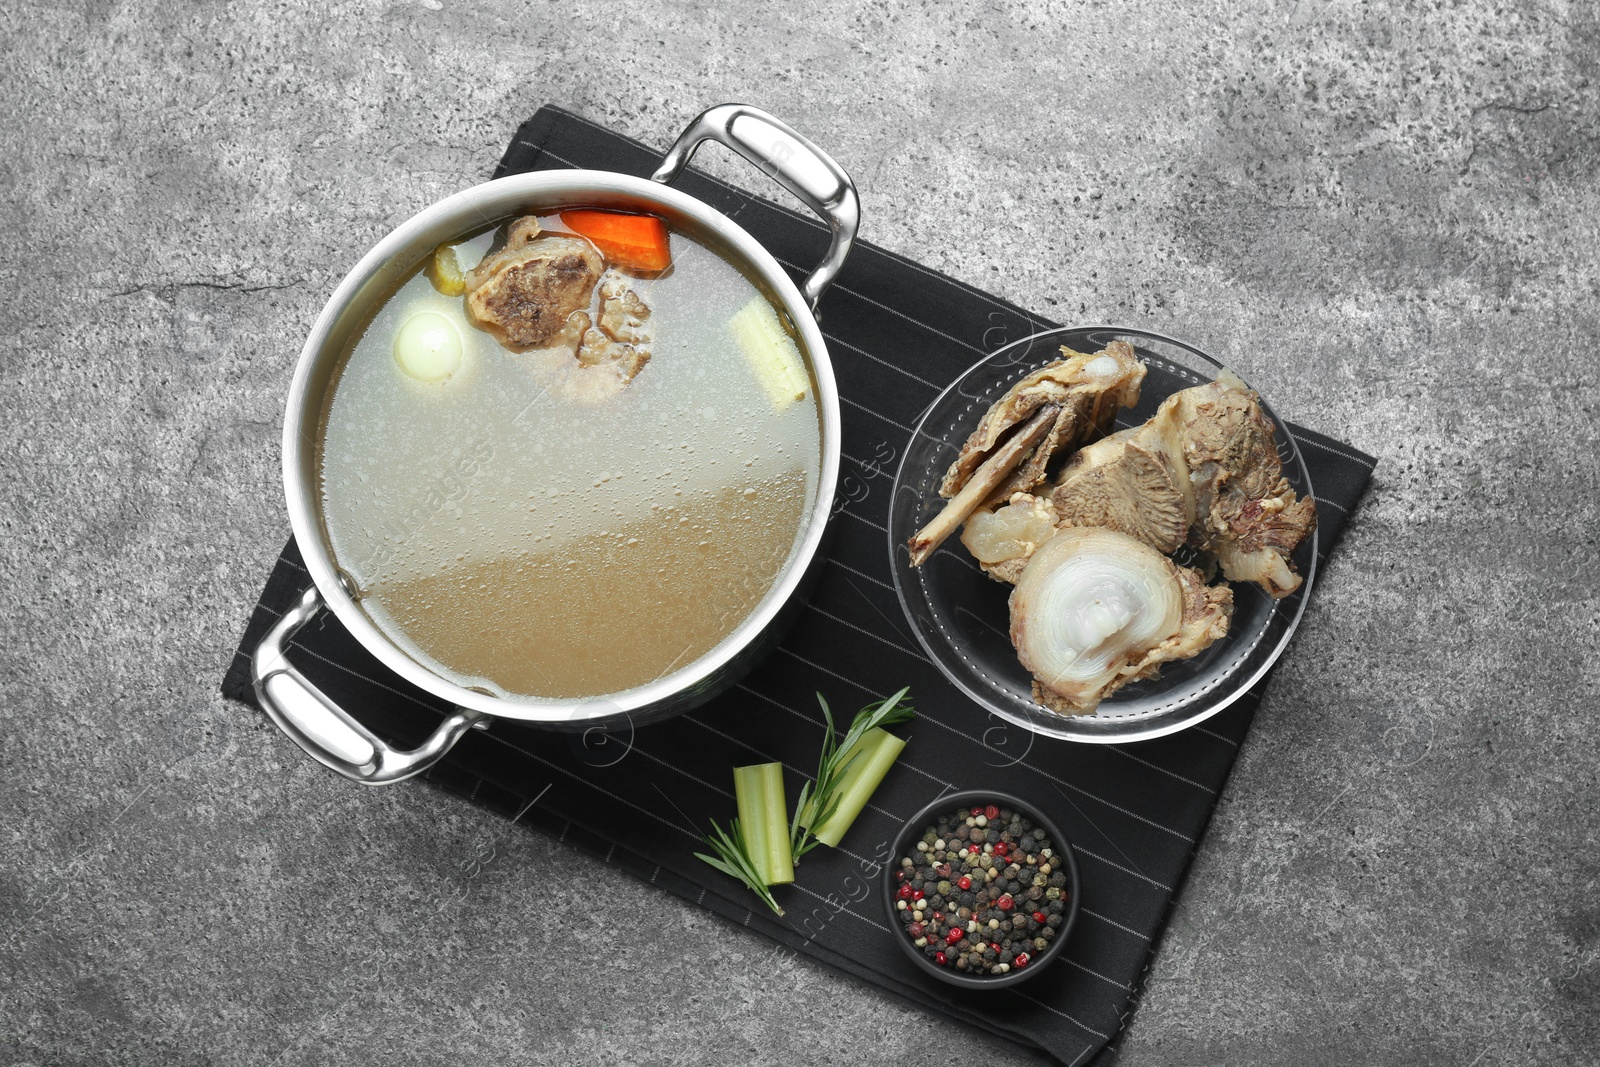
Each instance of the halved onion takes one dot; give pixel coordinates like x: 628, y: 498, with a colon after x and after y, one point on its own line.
x: 1095, y: 609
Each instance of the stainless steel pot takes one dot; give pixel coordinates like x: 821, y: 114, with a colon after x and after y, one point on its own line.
x: 331, y: 734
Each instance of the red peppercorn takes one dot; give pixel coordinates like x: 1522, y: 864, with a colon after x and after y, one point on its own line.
x: 995, y: 945
x: 1005, y: 903
x: 964, y: 882
x: 1040, y: 917
x: 1001, y: 848
x: 991, y: 812
x: 978, y: 810
x: 901, y: 875
x: 917, y: 894
x: 904, y: 892
x: 953, y: 936
x: 916, y: 930
x: 940, y: 958
x: 1021, y: 960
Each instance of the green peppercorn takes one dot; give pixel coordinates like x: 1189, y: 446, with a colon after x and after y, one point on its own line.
x: 1040, y: 944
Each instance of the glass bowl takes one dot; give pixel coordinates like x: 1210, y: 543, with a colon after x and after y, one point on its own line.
x: 961, y: 616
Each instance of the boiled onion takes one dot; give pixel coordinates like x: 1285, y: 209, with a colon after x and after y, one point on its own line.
x: 428, y: 347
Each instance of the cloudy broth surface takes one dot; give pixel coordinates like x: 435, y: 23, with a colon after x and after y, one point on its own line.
x: 513, y: 533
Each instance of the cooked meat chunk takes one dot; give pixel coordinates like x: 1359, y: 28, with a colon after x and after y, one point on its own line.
x: 597, y: 349
x: 623, y: 315
x: 522, y: 232
x: 1085, y: 389
x: 1245, y: 511
x: 1127, y: 482
x: 571, y: 333
x: 525, y: 293
x: 1204, y: 471
x: 1058, y: 407
x: 982, y: 484
x: 1260, y: 539
x: 620, y: 340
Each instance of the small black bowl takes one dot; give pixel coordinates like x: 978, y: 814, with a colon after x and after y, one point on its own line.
x: 905, y: 843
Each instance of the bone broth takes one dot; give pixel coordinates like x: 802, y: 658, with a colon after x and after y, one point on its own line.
x: 593, y: 509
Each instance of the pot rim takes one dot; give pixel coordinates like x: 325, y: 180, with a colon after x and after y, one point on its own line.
x: 490, y: 203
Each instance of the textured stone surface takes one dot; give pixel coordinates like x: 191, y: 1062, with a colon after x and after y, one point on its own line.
x: 1385, y: 215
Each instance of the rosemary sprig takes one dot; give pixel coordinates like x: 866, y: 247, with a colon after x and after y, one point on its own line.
x: 732, y: 860
x: 820, y: 798
x: 800, y: 839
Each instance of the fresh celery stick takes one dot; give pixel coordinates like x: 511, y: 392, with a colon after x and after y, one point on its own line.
x: 868, y: 761
x: 764, y: 818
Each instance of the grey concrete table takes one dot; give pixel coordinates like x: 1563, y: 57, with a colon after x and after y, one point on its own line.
x: 1385, y: 216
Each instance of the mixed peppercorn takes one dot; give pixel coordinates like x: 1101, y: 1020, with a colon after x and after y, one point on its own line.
x: 983, y: 892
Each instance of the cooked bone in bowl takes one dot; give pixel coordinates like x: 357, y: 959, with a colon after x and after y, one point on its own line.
x: 1151, y: 536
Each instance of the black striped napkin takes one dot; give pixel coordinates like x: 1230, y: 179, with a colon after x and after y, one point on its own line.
x: 1136, y: 813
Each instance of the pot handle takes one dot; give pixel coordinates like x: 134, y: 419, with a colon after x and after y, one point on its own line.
x: 326, y: 730
x: 788, y: 159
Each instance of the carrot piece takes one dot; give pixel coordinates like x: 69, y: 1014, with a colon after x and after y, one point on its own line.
x: 638, y: 242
